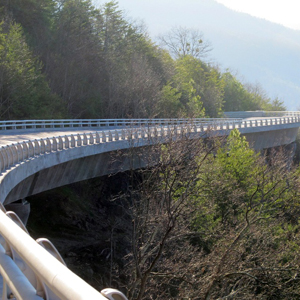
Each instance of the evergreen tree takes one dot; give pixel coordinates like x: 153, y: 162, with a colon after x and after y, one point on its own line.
x: 24, y: 92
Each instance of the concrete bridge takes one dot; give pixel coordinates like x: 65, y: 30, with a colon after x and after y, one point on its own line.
x: 40, y: 155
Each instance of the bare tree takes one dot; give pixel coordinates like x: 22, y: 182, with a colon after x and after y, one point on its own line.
x: 182, y: 248
x: 181, y: 41
x: 160, y: 209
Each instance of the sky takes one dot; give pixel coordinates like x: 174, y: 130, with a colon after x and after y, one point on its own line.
x: 284, y: 12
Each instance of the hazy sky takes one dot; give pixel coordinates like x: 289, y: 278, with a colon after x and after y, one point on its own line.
x: 285, y: 12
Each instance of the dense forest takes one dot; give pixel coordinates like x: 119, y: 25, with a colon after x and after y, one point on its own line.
x: 213, y: 219
x: 68, y: 59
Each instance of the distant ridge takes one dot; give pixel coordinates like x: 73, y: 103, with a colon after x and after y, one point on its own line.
x: 259, y: 50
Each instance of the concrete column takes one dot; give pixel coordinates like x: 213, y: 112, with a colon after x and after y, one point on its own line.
x: 21, y: 208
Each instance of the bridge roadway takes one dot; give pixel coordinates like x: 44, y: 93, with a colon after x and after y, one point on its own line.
x: 18, y: 136
x: 36, y: 155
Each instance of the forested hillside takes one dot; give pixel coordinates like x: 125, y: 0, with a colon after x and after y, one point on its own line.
x: 259, y: 50
x: 67, y: 59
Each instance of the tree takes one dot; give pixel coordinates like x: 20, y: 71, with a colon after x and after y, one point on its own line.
x: 276, y: 105
x: 76, y: 64
x: 169, y: 105
x: 182, y: 41
x: 133, y: 69
x: 236, y: 97
x: 213, y: 93
x: 24, y: 92
x: 205, y: 206
x: 199, y: 83
x: 36, y: 19
x: 249, y: 201
x: 239, y: 97
x: 160, y: 214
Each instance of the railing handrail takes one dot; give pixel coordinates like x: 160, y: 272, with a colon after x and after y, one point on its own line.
x: 101, y: 123
x: 55, y: 274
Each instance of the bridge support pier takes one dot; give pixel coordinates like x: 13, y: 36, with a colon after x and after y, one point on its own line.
x: 21, y: 208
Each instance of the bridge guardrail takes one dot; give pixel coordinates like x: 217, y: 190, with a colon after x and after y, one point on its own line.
x: 100, y: 123
x: 260, y: 114
x: 14, y: 154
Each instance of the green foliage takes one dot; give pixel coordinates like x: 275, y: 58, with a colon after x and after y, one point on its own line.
x: 228, y: 180
x: 237, y: 158
x: 24, y: 92
x: 200, y: 86
x: 195, y: 107
x: 238, y: 183
x: 239, y: 97
x: 275, y: 105
x: 74, y: 59
x: 213, y: 93
x: 100, y: 65
x: 236, y: 97
x: 169, y: 104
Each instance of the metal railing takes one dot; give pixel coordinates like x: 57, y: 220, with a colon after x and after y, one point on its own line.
x: 34, y: 269
x: 100, y: 123
x: 260, y: 114
x: 20, y: 255
x: 16, y: 153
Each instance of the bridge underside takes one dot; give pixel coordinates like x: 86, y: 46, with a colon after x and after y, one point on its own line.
x: 82, y: 169
x: 109, y: 162
x: 270, y: 139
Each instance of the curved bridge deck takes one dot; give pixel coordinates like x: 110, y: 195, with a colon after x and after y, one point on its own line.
x: 36, y: 148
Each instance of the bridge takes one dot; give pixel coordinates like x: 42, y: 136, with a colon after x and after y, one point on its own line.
x: 37, y: 155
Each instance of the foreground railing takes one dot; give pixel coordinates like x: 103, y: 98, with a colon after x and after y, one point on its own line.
x: 28, y: 269
x: 35, y: 270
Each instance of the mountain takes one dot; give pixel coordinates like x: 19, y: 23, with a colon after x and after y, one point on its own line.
x: 260, y: 51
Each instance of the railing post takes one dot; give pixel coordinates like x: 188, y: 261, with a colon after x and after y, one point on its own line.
x: 43, y: 146
x: 84, y: 140
x: 3, y: 160
x: 67, y: 142
x: 54, y: 144
x: 37, y: 150
x: 78, y: 140
x: 123, y: 133
x: 143, y: 132
x: 97, y: 138
x: 116, y: 135
x: 91, y: 139
x: 73, y: 143
x: 30, y: 149
x: 48, y: 145
x: 103, y: 137
x: 60, y: 143
x: 14, y: 154
x: 25, y: 150
x: 110, y: 136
